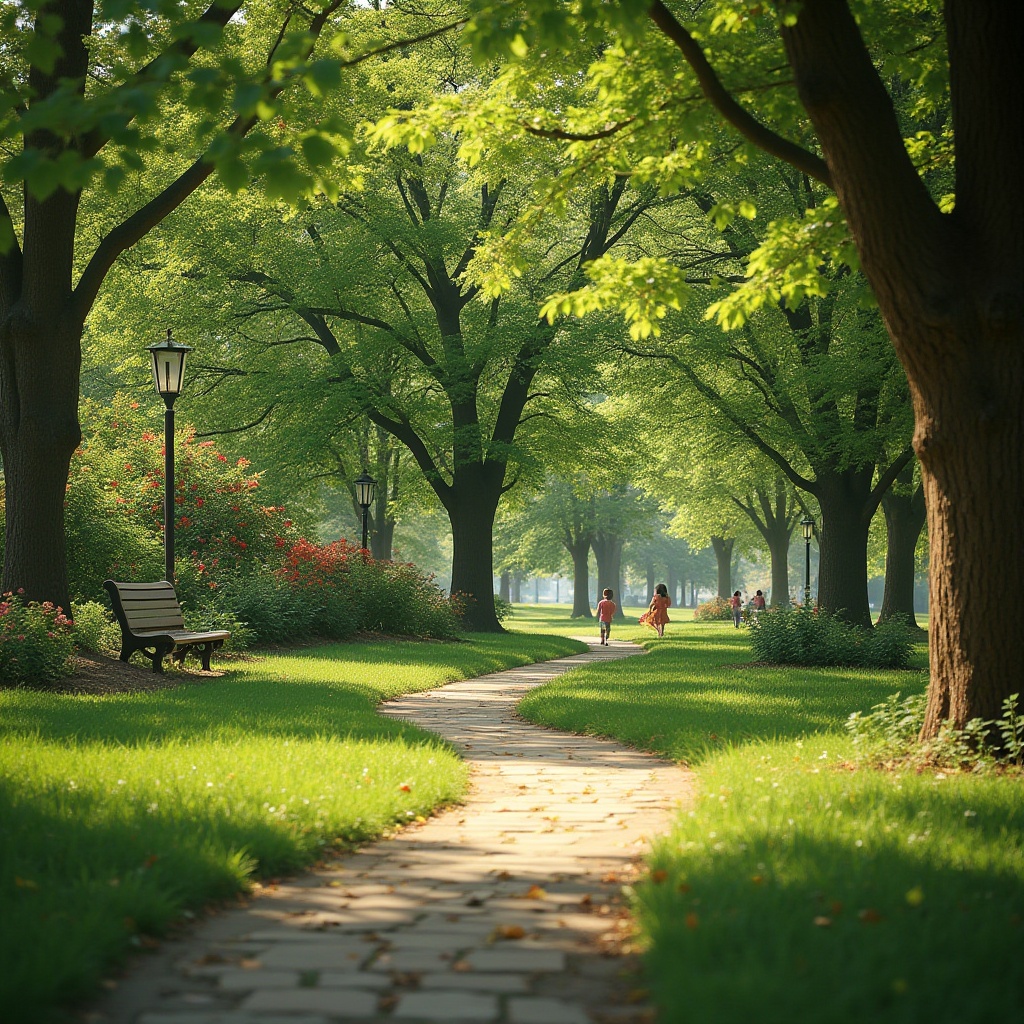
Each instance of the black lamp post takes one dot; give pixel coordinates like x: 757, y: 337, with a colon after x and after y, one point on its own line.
x: 366, y: 486
x: 168, y: 373
x: 807, y: 525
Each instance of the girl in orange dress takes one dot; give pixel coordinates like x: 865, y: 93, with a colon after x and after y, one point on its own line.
x: 658, y: 612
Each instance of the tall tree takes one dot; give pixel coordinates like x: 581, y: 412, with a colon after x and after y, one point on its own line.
x: 947, y: 269
x: 86, y: 92
x: 371, y: 292
x: 905, y: 514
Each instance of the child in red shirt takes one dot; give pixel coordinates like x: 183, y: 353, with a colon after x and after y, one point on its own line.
x: 605, y: 613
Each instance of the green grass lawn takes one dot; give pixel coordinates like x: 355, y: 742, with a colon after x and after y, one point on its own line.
x: 802, y: 887
x: 119, y: 813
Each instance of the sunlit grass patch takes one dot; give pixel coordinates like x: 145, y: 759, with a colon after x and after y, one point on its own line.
x: 801, y: 888
x: 798, y: 889
x: 120, y: 812
x: 696, y: 692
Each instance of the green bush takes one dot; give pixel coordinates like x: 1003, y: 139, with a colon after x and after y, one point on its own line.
x: 269, y: 605
x: 36, y: 641
x: 503, y: 609
x: 94, y: 629
x: 395, y: 597
x: 890, y: 730
x: 717, y: 609
x: 801, y: 637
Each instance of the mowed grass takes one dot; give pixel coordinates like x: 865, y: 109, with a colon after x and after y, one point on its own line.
x: 120, y: 813
x: 803, y: 886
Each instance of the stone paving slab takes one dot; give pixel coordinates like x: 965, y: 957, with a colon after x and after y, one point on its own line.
x: 505, y: 910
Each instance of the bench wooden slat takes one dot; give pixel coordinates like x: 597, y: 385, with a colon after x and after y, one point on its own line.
x: 128, y: 588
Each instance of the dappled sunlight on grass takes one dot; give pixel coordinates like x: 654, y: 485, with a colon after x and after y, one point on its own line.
x: 801, y: 887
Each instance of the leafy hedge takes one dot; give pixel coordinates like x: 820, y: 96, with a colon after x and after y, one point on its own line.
x: 803, y: 637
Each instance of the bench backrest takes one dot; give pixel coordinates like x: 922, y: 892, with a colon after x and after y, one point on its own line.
x: 145, y: 607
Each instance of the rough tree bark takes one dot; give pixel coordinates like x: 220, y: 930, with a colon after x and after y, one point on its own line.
x: 505, y: 586
x: 581, y: 580
x: 607, y: 547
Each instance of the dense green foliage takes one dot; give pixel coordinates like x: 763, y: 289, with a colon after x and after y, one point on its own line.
x: 122, y: 811
x: 809, y: 637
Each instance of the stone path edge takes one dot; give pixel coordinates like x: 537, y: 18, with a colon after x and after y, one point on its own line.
x: 504, y: 909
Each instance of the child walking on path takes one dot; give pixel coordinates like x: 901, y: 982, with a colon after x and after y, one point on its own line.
x: 657, y: 614
x: 605, y: 614
x: 737, y: 609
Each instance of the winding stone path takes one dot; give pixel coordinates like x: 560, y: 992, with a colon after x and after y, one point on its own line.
x: 505, y: 910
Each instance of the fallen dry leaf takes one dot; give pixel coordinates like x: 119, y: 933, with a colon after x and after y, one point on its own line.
x: 692, y: 920
x: 462, y: 966
x: 535, y: 892
x: 659, y: 876
x: 823, y: 922
x: 509, y: 931
x: 870, y: 916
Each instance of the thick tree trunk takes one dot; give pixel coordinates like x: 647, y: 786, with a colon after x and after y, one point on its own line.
x: 672, y: 583
x: 517, y: 588
x: 650, y: 582
x: 581, y: 581
x: 843, y: 545
x: 778, y: 552
x: 505, y: 586
x: 904, y: 518
x: 723, y: 558
x: 950, y: 291
x: 608, y: 552
x: 39, y: 431
x: 974, y: 491
x: 382, y: 538
x: 471, y: 512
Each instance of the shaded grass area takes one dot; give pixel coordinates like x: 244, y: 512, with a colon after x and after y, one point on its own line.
x: 801, y: 886
x: 119, y: 813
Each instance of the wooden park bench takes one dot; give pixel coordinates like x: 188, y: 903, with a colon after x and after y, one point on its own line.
x: 151, y: 621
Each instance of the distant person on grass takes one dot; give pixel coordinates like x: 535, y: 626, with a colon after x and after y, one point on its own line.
x: 736, y: 603
x: 657, y: 615
x: 605, y: 614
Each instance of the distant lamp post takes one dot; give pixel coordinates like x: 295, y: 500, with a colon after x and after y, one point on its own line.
x: 807, y: 525
x: 366, y: 487
x: 168, y: 373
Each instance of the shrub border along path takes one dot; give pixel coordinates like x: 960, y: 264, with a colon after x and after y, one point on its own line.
x: 506, y: 910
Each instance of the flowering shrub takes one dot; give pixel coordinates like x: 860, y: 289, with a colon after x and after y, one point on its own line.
x: 223, y: 521
x: 35, y: 641
x: 718, y: 608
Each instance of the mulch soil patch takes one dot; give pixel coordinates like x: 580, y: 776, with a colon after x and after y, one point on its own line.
x: 98, y: 674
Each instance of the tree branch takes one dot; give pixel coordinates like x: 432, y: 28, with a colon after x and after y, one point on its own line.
x: 724, y: 102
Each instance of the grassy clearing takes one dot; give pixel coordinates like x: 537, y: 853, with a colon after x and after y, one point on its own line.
x: 120, y: 813
x: 801, y: 887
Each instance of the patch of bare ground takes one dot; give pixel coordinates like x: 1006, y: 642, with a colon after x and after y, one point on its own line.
x: 98, y: 674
